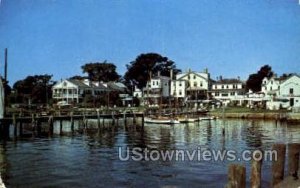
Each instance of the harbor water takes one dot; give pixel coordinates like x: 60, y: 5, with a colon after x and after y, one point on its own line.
x: 91, y: 159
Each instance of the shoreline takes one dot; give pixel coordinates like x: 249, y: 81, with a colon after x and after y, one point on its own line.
x: 290, y: 117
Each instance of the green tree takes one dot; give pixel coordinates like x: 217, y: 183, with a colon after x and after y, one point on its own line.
x: 77, y: 77
x: 139, y: 70
x: 255, y: 80
x: 101, y: 71
x: 36, y: 88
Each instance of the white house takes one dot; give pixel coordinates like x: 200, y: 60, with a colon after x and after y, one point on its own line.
x: 157, y: 88
x: 73, y: 91
x: 197, y: 85
x: 178, y: 88
x: 270, y: 87
x: 282, y: 92
x: 227, y: 90
x: 137, y: 92
x: 290, y: 90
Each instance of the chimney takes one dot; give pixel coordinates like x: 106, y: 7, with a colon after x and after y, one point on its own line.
x: 158, y: 73
x: 220, y: 77
x: 171, y: 74
x: 206, y: 70
x: 238, y: 78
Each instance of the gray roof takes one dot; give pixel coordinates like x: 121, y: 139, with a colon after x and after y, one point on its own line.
x: 228, y: 81
x: 79, y: 83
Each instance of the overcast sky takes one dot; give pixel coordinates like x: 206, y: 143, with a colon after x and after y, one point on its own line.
x: 229, y: 37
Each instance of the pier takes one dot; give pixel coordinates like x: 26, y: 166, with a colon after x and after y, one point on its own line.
x: 56, y: 123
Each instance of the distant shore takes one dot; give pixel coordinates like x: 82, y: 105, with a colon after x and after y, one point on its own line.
x: 242, y: 113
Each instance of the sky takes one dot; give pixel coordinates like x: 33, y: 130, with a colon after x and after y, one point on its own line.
x: 229, y: 37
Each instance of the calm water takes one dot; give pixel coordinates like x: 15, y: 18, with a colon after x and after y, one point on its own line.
x: 91, y: 160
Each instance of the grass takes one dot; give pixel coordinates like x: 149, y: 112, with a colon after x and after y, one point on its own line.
x: 247, y: 110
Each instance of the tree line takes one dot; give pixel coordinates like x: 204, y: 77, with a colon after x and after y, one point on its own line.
x: 36, y: 89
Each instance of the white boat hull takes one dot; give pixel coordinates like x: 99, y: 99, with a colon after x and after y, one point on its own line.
x: 161, y: 121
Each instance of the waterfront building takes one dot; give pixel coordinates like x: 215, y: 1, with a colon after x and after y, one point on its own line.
x: 227, y: 90
x: 157, y: 89
x: 197, y: 86
x: 282, y: 92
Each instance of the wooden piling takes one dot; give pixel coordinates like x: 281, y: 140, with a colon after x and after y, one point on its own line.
x: 278, y: 165
x: 98, y: 119
x: 143, y: 121
x: 50, y: 122
x: 38, y: 127
x: 33, y: 124
x: 60, y: 127
x: 15, y: 124
x: 236, y: 176
x: 72, y: 122
x: 20, y: 128
x: 256, y: 170
x: 293, y: 159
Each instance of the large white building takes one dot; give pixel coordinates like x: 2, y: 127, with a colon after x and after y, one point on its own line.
x: 197, y: 86
x: 73, y: 91
x: 70, y: 90
x: 227, y: 90
x: 283, y: 92
x: 270, y: 86
x: 156, y: 89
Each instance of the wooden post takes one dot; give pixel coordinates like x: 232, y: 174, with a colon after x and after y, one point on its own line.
x: 15, y: 124
x: 278, y: 165
x: 50, y: 122
x: 72, y: 122
x: 98, y: 119
x: 293, y: 160
x: 134, y: 118
x: 143, y: 121
x: 256, y: 169
x: 236, y: 176
x: 60, y: 127
x: 38, y: 127
x: 33, y: 124
x: 21, y: 128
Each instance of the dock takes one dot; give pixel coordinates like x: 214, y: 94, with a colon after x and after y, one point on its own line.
x: 39, y: 123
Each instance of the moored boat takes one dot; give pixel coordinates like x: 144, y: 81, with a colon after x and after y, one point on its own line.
x: 160, y: 121
x: 207, y: 118
x: 188, y: 120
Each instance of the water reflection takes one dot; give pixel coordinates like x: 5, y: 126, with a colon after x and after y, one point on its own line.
x: 91, y: 159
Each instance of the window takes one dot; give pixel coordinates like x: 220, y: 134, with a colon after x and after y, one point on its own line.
x: 232, y: 93
x: 272, y: 82
x: 153, y: 83
x: 180, y: 92
x: 222, y: 86
x: 227, y: 86
x: 194, y: 76
x: 271, y: 88
x: 195, y: 84
x: 188, y: 76
x: 217, y: 94
x: 224, y: 94
x: 157, y: 83
x: 180, y: 84
x: 291, y: 91
x: 215, y: 87
x: 201, y: 84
